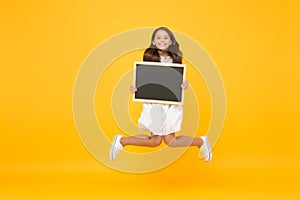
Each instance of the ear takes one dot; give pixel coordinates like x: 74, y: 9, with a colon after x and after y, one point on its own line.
x: 153, y: 42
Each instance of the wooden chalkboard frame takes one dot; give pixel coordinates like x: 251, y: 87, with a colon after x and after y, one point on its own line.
x: 156, y: 67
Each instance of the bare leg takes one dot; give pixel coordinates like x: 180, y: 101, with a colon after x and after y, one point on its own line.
x: 142, y: 140
x: 182, y: 141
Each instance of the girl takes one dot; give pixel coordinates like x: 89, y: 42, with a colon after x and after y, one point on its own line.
x: 161, y: 120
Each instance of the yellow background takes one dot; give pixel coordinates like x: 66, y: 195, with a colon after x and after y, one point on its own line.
x: 255, y: 45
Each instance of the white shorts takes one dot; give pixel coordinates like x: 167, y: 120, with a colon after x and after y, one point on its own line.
x: 160, y: 119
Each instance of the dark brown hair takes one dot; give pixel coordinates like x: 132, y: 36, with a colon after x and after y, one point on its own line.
x: 151, y: 53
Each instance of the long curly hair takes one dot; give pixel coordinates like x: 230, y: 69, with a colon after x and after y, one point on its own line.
x: 151, y: 53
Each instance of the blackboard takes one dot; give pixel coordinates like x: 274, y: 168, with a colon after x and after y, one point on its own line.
x: 159, y: 82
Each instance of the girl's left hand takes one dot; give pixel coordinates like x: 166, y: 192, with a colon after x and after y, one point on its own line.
x: 185, y: 84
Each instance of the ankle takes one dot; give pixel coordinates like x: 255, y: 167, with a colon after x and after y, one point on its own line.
x: 122, y: 141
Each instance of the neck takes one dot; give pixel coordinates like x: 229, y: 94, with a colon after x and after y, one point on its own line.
x: 162, y: 52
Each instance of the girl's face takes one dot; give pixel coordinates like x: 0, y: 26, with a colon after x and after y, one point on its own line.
x: 162, y: 40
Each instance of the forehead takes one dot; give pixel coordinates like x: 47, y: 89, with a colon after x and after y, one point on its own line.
x: 161, y: 33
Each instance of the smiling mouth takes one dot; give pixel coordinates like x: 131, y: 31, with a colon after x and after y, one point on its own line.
x: 162, y: 45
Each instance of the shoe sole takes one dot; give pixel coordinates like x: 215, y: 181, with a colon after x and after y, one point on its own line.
x: 113, y: 147
x: 209, y: 149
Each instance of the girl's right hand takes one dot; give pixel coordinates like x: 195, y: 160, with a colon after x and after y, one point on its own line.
x: 133, y: 89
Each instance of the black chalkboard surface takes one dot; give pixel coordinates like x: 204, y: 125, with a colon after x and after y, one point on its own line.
x: 159, y: 82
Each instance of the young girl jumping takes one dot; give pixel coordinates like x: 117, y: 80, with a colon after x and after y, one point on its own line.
x: 162, y: 120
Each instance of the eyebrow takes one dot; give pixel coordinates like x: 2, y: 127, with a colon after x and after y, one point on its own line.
x: 162, y: 35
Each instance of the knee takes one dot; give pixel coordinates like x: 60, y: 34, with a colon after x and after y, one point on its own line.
x: 169, y: 141
x: 155, y: 141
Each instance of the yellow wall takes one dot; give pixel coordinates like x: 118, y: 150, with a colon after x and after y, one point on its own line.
x: 255, y: 45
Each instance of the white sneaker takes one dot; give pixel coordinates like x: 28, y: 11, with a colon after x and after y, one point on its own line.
x: 116, y: 147
x: 205, y: 149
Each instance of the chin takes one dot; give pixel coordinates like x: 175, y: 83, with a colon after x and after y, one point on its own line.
x: 162, y: 49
